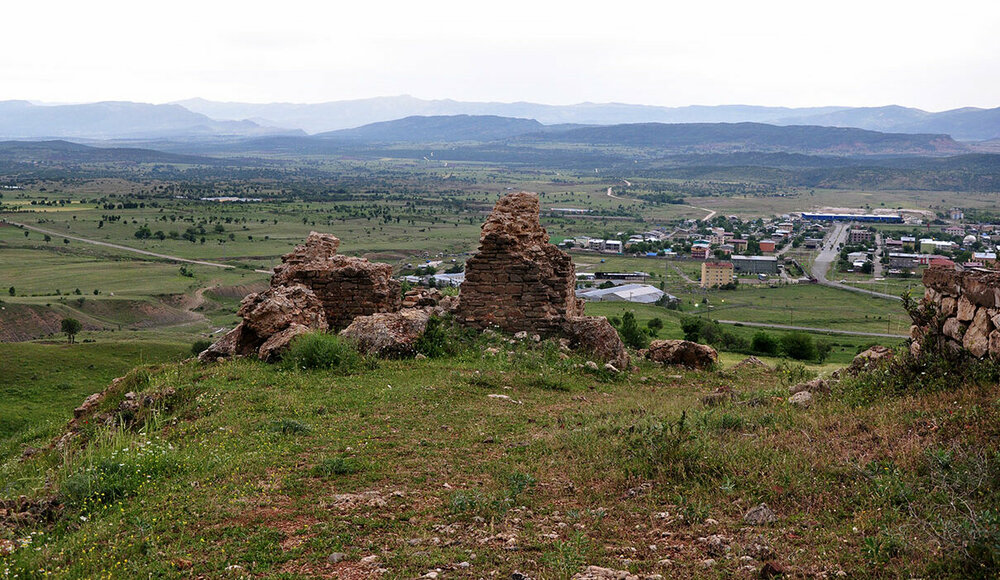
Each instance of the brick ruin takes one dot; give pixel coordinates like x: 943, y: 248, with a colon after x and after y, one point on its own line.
x: 518, y: 281
x: 312, y: 289
x: 347, y: 287
x: 961, y: 310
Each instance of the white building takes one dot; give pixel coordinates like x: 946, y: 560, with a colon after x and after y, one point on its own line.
x: 639, y: 293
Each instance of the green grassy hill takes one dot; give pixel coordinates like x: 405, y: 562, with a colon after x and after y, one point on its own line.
x: 477, y: 465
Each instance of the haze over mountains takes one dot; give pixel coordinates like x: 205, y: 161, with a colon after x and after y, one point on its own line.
x: 200, y: 119
x: 966, y: 124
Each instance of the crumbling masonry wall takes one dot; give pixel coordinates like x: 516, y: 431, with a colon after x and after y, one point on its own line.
x: 967, y: 307
x: 347, y: 287
x: 518, y: 281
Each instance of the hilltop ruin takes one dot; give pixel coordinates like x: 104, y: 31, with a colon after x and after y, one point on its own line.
x: 517, y: 282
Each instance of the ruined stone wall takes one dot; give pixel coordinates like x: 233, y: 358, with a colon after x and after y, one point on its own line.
x: 967, y: 306
x: 348, y: 287
x: 518, y: 281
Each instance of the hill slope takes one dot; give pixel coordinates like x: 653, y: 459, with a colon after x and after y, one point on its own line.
x: 451, y: 128
x: 418, y: 466
x: 739, y: 137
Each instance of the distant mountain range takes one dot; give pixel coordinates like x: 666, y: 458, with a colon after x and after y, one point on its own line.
x: 967, y: 124
x: 117, y: 120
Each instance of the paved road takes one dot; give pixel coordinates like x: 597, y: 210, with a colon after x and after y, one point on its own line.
x: 127, y: 248
x: 810, y: 329
x: 829, y: 255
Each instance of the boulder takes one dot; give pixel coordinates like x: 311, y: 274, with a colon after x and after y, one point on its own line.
x: 225, y: 347
x: 953, y: 329
x: 816, y: 385
x: 277, y: 343
x: 751, y: 362
x: 801, y: 399
x: 682, y: 352
x: 994, y: 345
x: 595, y: 335
x: 347, y: 287
x: 279, y: 307
x: 598, y: 573
x: 388, y: 334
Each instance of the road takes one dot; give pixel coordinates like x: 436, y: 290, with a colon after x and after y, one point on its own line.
x: 810, y: 329
x: 711, y: 212
x: 127, y: 248
x: 829, y: 254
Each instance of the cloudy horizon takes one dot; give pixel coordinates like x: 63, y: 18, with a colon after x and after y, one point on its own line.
x: 770, y: 53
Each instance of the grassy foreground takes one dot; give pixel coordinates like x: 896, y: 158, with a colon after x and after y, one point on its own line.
x: 409, y: 467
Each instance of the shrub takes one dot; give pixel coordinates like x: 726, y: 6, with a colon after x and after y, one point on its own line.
x: 666, y: 449
x: 319, y: 350
x: 124, y: 473
x: 435, y: 342
x: 199, y: 346
x: 655, y: 325
x: 764, y: 343
x: 799, y: 345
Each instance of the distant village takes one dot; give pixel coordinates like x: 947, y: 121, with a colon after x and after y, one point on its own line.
x: 734, y: 251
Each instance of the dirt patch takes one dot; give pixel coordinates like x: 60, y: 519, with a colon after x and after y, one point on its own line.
x: 21, y: 322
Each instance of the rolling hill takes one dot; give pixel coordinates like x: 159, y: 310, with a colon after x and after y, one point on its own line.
x: 451, y: 128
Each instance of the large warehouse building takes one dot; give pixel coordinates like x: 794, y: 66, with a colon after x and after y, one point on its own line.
x: 850, y: 217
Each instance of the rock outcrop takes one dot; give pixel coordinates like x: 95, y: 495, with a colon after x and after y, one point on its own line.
x: 271, y: 319
x: 960, y: 311
x: 518, y: 281
x: 682, y: 352
x: 313, y: 289
x: 389, y: 334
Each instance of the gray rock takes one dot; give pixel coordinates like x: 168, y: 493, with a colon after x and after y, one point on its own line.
x: 760, y: 515
x: 801, y: 399
x: 336, y: 557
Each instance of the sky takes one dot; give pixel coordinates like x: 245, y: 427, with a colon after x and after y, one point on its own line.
x: 931, y: 55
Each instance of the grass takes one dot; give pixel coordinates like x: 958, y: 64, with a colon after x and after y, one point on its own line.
x: 42, y: 383
x: 270, y: 469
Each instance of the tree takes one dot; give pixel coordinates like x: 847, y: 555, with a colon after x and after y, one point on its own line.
x: 691, y: 327
x: 71, y: 327
x: 630, y: 332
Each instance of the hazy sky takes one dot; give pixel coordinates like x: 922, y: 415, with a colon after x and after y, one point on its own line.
x: 933, y: 55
